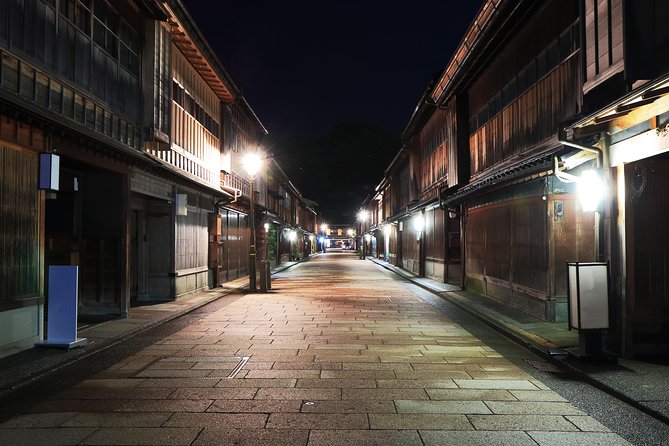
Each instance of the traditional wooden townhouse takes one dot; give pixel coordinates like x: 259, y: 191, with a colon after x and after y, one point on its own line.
x: 472, y: 195
x: 71, y: 133
x: 514, y: 78
x: 121, y: 138
x: 544, y: 107
x: 289, y: 220
x: 241, y: 135
x: 190, y: 107
x: 407, y: 225
x: 626, y: 119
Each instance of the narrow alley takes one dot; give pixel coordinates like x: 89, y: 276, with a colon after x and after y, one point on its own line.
x: 339, y: 352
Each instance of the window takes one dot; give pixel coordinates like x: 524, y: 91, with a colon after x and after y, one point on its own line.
x: 10, y: 73
x: 78, y: 12
x: 56, y: 98
x: 106, y: 27
x: 130, y: 48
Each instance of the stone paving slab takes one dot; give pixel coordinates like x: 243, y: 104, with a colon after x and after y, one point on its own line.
x: 577, y: 439
x: 44, y: 437
x: 365, y: 438
x: 478, y: 438
x: 251, y: 437
x: 339, y: 354
x: 142, y: 436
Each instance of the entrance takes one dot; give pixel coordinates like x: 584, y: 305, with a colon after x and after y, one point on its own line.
x: 647, y: 220
x: 84, y: 221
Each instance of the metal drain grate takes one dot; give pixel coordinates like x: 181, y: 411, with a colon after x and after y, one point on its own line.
x: 543, y: 366
x: 242, y: 363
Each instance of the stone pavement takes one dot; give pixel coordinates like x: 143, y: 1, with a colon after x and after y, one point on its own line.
x: 336, y: 354
x: 644, y: 385
x: 25, y: 367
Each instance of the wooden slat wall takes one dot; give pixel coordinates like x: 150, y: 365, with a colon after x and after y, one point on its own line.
x: 507, y: 241
x: 409, y: 243
x: 650, y: 237
x: 529, y: 120
x: 452, y: 172
x: 434, y: 234
x: 530, y: 244
x: 603, y: 36
x: 192, y: 236
x: 647, y: 183
x: 434, y: 150
x: 20, y: 260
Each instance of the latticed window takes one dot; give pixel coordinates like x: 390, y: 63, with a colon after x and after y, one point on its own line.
x: 162, y: 79
x: 19, y: 218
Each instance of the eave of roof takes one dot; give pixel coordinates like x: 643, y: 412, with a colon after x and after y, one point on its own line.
x: 191, y: 42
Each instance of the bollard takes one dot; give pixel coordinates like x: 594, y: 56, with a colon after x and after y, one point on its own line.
x: 263, y: 276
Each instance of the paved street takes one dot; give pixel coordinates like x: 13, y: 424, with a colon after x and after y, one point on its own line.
x: 338, y: 353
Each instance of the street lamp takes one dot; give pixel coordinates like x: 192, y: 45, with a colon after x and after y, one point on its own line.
x: 362, y: 218
x: 252, y: 163
x: 324, y: 229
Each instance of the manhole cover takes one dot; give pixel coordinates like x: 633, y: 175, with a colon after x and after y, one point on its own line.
x: 543, y: 366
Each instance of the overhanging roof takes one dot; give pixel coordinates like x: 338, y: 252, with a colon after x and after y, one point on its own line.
x: 537, y: 164
x: 189, y: 39
x: 640, y: 99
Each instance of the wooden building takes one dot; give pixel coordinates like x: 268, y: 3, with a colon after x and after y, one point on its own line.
x: 148, y: 129
x: 537, y: 95
x: 626, y: 118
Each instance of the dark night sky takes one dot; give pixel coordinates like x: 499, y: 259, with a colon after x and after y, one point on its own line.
x: 333, y: 82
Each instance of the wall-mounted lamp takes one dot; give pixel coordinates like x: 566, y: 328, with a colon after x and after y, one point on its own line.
x: 387, y: 229
x: 266, y: 226
x: 590, y: 190
x: 181, y: 201
x: 418, y: 225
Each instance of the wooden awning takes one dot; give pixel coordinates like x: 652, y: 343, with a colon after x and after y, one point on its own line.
x: 212, y: 74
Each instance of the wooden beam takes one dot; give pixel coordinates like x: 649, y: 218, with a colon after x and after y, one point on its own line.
x: 656, y: 93
x: 632, y: 105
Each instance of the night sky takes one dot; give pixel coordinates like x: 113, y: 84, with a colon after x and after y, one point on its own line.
x: 334, y: 82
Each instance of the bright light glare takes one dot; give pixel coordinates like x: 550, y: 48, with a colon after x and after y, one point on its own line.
x: 363, y: 215
x: 387, y: 229
x: 252, y: 163
x: 368, y: 237
x: 324, y: 227
x: 292, y: 235
x: 590, y: 190
x: 418, y: 223
x: 349, y: 232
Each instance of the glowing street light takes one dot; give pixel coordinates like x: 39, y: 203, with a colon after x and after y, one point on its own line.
x: 321, y: 240
x: 252, y: 163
